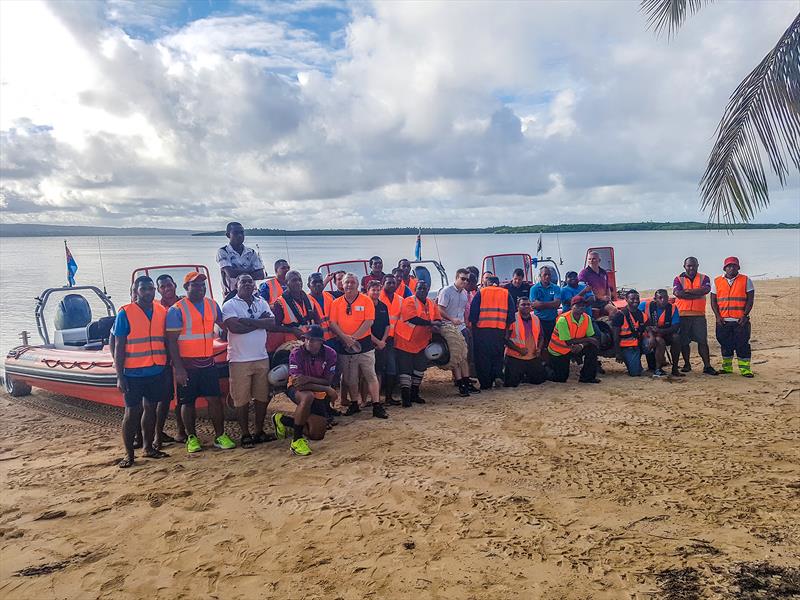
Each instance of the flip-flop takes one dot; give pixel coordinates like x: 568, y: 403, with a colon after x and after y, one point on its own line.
x: 125, y: 463
x: 155, y: 454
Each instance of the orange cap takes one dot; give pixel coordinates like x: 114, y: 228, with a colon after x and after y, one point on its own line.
x: 193, y: 276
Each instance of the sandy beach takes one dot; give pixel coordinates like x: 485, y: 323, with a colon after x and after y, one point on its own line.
x: 635, y: 488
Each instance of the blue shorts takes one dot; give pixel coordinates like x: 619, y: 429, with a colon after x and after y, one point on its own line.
x: 151, y: 389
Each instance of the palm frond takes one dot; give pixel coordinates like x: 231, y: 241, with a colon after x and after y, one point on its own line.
x: 762, y: 115
x: 669, y: 14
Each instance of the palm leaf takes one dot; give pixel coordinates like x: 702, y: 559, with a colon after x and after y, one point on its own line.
x: 762, y: 115
x: 669, y: 14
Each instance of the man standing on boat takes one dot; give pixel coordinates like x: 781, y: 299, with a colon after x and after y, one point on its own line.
x: 491, y: 312
x: 690, y: 289
x: 273, y: 288
x: 407, y: 280
x: 596, y: 278
x: 235, y: 259
x: 140, y: 359
x: 247, y: 317
x: 376, y: 273
x: 732, y: 300
x: 518, y: 287
x: 190, y: 339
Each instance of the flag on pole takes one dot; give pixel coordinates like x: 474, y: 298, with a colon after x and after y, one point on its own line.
x: 539, y: 245
x: 418, y: 246
x: 72, y: 266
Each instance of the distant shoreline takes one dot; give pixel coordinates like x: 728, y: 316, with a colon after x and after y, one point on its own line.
x: 36, y: 230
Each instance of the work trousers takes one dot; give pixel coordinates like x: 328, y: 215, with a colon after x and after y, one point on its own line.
x: 733, y: 337
x: 560, y: 364
x: 489, y: 347
x: 523, y: 371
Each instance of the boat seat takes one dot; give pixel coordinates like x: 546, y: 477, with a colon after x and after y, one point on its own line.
x: 70, y: 338
x: 100, y: 330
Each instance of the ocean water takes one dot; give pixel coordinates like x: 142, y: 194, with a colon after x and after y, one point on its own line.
x: 644, y: 260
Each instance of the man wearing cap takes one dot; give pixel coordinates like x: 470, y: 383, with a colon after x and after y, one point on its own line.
x: 690, y: 289
x: 190, y: 340
x: 247, y: 317
x: 571, y: 288
x: 140, y: 359
x: 732, y: 298
x: 574, y: 336
x: 311, y: 369
x: 235, y: 258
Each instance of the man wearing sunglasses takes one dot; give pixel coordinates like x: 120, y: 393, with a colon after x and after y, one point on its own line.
x: 452, y: 303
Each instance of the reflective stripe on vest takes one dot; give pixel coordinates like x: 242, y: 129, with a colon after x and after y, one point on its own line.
x: 196, y: 339
x: 323, y: 312
x: 576, y: 331
x: 493, y: 312
x: 145, y: 345
x: 394, y: 307
x: 519, y: 338
x: 630, y: 330
x: 696, y: 307
x: 731, y: 298
x: 404, y: 329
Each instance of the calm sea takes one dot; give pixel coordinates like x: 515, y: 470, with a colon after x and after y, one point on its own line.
x: 644, y: 259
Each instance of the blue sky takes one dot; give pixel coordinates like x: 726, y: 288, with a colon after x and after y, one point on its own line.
x: 333, y: 114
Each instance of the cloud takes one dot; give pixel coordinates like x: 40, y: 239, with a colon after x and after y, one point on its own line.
x: 325, y: 114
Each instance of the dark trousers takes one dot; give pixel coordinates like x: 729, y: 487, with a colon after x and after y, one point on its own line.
x: 547, y: 331
x: 733, y: 337
x: 488, y: 347
x: 523, y: 371
x: 560, y: 364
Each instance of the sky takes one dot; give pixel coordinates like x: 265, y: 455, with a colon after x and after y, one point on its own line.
x: 326, y: 114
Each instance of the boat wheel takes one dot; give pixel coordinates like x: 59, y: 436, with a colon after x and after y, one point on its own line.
x: 16, y: 388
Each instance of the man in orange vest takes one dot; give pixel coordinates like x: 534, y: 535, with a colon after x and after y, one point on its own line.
x: 524, y: 343
x: 294, y: 312
x: 393, y: 302
x: 663, y: 322
x: 732, y: 300
x: 190, y: 339
x: 574, y: 336
x: 140, y: 358
x: 273, y: 287
x: 690, y: 289
x: 627, y: 326
x: 491, y: 312
x: 322, y: 300
x: 407, y: 280
x: 167, y: 289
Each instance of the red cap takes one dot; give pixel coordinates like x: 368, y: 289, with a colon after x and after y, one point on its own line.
x: 193, y: 276
x: 578, y: 300
x: 731, y: 260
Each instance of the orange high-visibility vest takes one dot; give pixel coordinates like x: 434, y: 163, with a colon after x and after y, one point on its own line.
x: 520, y: 338
x: 394, y: 306
x: 145, y: 345
x: 696, y: 307
x: 494, y: 308
x: 405, y: 338
x: 576, y: 331
x: 731, y: 297
x: 630, y: 330
x: 196, y: 339
x: 323, y: 312
x: 275, y: 289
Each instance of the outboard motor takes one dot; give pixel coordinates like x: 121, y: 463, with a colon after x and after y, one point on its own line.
x: 422, y: 273
x: 72, y: 316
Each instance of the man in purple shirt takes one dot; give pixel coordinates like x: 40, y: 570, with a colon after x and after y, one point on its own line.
x: 596, y: 278
x: 311, y: 370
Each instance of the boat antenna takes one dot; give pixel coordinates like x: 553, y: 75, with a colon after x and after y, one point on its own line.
x: 102, y: 271
x: 286, y: 241
x: 560, y: 260
x: 439, y: 254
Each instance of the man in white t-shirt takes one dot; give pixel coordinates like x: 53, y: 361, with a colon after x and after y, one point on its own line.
x: 452, y: 303
x: 247, y: 319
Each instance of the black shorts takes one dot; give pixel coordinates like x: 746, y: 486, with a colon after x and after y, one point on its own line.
x: 693, y: 329
x: 151, y: 389
x: 318, y: 407
x: 407, y: 362
x: 200, y: 383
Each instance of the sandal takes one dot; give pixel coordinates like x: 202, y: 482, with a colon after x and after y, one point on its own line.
x: 125, y: 463
x: 247, y: 441
x: 261, y: 438
x: 153, y: 453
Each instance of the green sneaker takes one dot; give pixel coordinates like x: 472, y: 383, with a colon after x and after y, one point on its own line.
x: 300, y: 447
x: 193, y: 444
x: 281, y: 430
x: 224, y: 442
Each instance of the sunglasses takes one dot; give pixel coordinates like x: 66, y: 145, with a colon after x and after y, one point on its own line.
x: 250, y: 312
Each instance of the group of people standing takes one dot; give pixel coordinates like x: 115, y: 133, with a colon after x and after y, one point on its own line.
x: 368, y: 336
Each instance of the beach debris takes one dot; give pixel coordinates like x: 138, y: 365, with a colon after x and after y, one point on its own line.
x: 409, y: 545
x: 51, y: 514
x: 679, y: 584
x: 762, y: 581
x: 48, y: 568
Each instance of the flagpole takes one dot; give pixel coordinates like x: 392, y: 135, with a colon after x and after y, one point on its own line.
x: 66, y: 257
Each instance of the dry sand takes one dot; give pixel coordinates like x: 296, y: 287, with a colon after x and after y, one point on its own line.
x: 631, y: 489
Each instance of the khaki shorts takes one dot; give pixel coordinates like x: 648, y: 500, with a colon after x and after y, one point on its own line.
x: 248, y: 381
x: 353, y: 365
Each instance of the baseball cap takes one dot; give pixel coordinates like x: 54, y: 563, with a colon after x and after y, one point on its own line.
x: 577, y: 300
x: 731, y: 260
x: 314, y: 333
x: 193, y: 276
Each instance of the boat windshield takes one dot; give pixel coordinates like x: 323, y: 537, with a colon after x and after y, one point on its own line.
x: 503, y: 266
x: 358, y: 267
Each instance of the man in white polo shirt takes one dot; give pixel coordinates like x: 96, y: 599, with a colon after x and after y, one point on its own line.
x: 247, y: 319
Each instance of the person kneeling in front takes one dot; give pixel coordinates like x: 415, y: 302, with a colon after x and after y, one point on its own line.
x: 524, y: 343
x: 311, y: 370
x: 574, y: 336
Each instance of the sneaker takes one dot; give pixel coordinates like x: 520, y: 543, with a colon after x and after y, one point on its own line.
x: 193, y: 444
x: 281, y: 430
x: 710, y: 371
x: 472, y: 389
x: 379, y: 412
x: 677, y: 373
x: 463, y: 391
x: 659, y: 373
x: 224, y: 442
x: 300, y: 447
x: 352, y: 409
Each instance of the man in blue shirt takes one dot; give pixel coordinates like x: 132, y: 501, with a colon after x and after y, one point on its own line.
x: 574, y: 288
x: 546, y: 299
x: 663, y: 321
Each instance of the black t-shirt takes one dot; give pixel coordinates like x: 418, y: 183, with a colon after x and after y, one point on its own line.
x: 381, y: 320
x: 523, y: 291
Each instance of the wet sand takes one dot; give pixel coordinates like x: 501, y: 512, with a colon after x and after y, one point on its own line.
x: 634, y: 488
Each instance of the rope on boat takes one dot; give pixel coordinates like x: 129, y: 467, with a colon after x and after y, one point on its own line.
x: 83, y: 366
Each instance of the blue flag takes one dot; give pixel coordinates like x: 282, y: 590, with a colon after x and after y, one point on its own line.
x: 418, y: 247
x: 72, y: 266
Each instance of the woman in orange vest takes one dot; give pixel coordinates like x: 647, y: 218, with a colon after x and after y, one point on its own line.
x: 524, y: 342
x: 732, y: 300
x: 627, y: 326
x: 574, y: 336
x: 491, y: 312
x: 690, y: 289
x: 140, y: 358
x: 419, y: 317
